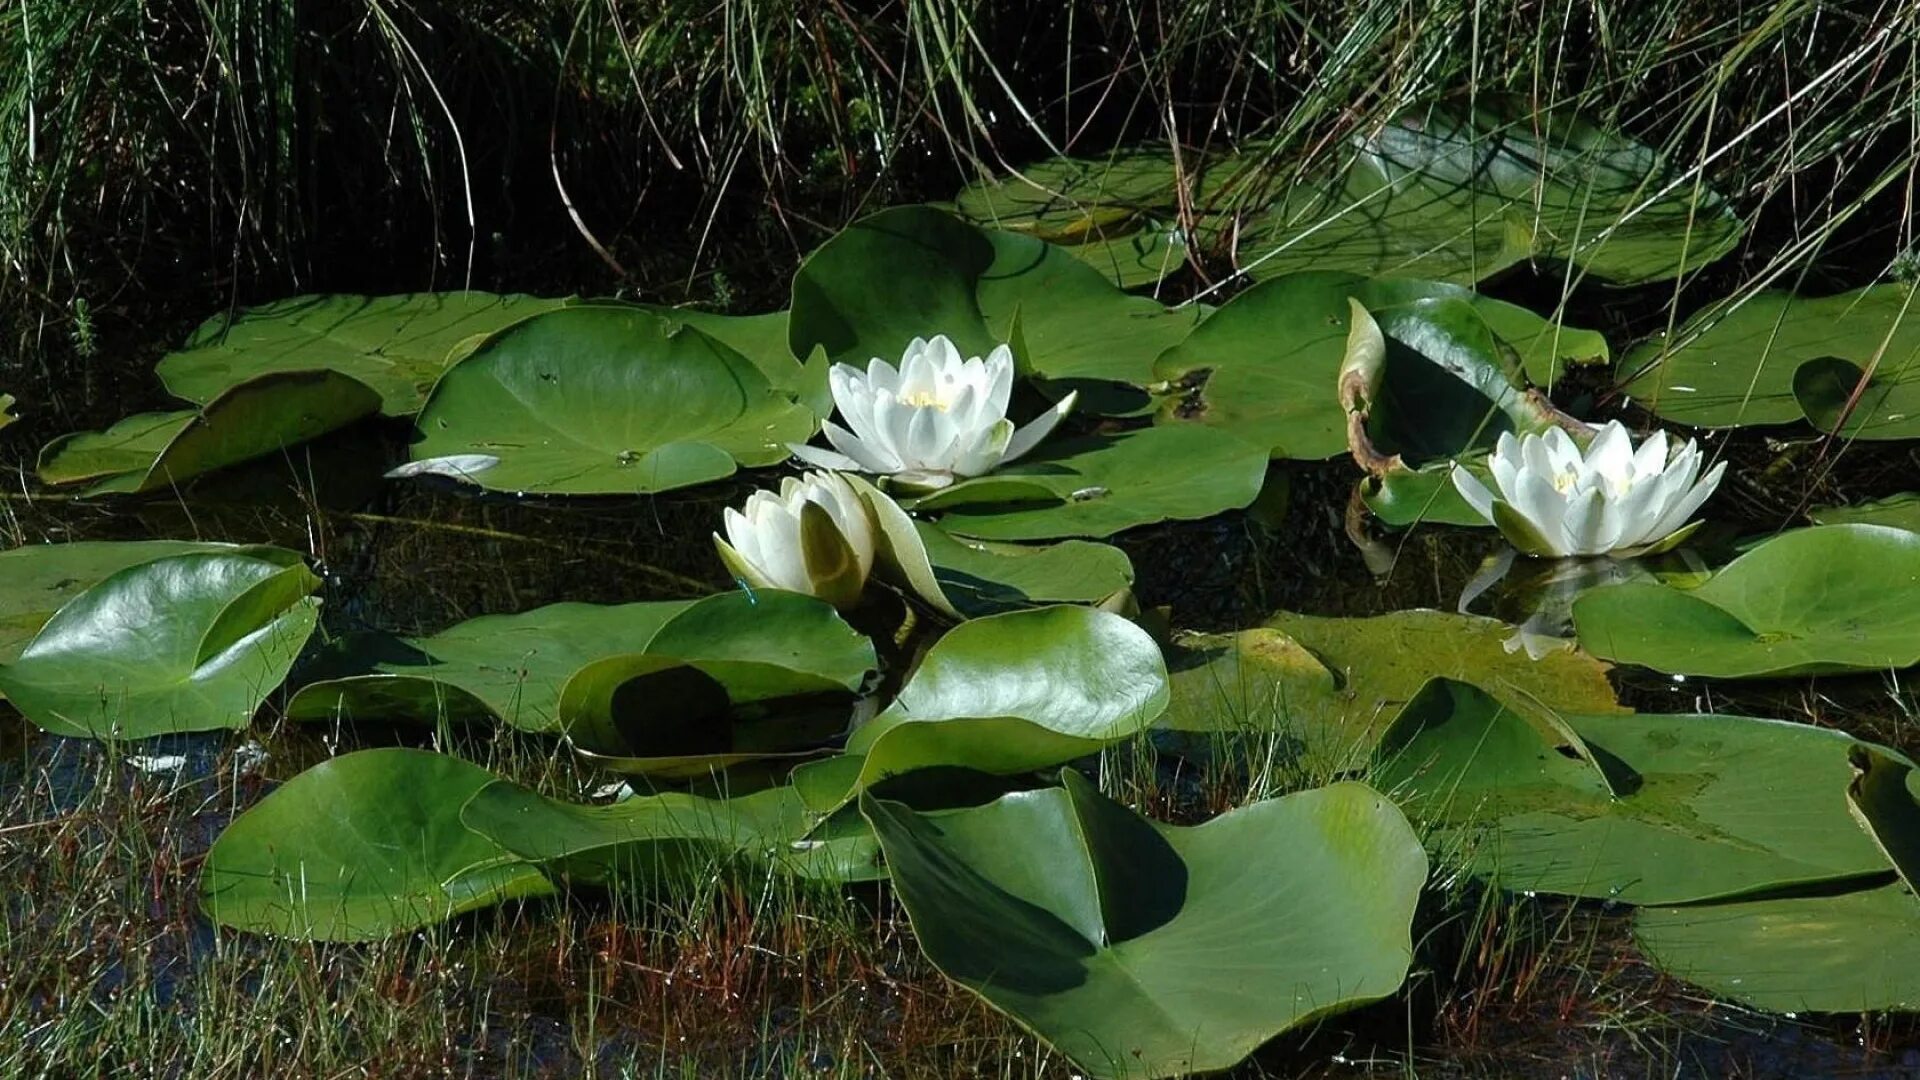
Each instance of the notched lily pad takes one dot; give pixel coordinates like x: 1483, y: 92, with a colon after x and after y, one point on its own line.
x: 1826, y: 599
x: 361, y: 847
x: 184, y: 643
x: 1146, y: 950
x: 599, y: 400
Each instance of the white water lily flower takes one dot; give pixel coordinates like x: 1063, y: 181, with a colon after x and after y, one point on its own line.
x: 935, y: 419
x: 813, y: 536
x: 1612, y: 500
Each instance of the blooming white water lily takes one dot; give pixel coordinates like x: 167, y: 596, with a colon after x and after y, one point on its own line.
x: 1611, y: 500
x: 935, y: 419
x: 813, y: 536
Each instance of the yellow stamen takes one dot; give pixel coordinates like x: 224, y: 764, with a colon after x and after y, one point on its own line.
x: 925, y: 399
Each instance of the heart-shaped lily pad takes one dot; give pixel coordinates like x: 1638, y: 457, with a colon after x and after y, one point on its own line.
x: 398, y: 345
x: 1825, y: 599
x: 914, y: 271
x: 981, y: 577
x: 607, y: 400
x: 1900, y: 511
x: 1104, y: 484
x: 1813, y: 950
x: 1640, y: 808
x: 1443, y: 190
x: 38, y: 579
x: 1112, y: 213
x: 361, y: 847
x: 183, y: 643
x: 1777, y: 358
x: 1380, y: 663
x: 514, y: 667
x: 160, y: 451
x: 673, y: 836
x: 1266, y: 366
x: 1144, y: 950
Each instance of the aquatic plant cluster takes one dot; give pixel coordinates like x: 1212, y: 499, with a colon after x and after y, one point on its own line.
x: 934, y: 599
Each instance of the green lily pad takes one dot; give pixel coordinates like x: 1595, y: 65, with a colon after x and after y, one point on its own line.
x: 398, y: 345
x: 1826, y: 599
x: 981, y: 577
x: 1814, y: 950
x: 1639, y: 808
x: 1003, y: 694
x: 183, y: 643
x: 1243, y: 682
x: 160, y: 451
x: 1104, y: 484
x: 38, y: 579
x: 361, y: 847
x: 514, y: 667
x: 594, y: 400
x: 1900, y: 511
x: 1112, y: 214
x: 1381, y: 662
x: 762, y: 339
x: 1401, y: 497
x: 1461, y: 193
x: 673, y: 837
x: 1444, y: 191
x: 1777, y: 358
x: 7, y: 402
x: 1266, y: 365
x: 1146, y: 950
x: 914, y: 271
x: 734, y: 678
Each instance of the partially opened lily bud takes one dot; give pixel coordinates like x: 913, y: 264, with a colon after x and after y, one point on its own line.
x: 813, y: 536
x: 937, y: 418
x: 1555, y: 500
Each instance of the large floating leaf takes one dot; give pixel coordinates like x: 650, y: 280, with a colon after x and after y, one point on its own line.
x: 1895, y: 512
x: 160, y: 451
x: 1776, y: 358
x: 1244, y: 682
x: 1383, y: 661
x: 666, y: 838
x: 1146, y: 950
x: 607, y: 400
x: 914, y: 272
x: 184, y: 643
x: 1459, y: 194
x: 1831, y: 598
x: 1006, y: 694
x: 1818, y: 950
x: 733, y: 678
x: 361, y: 847
x: 1641, y: 808
x: 36, y: 580
x: 398, y: 345
x: 982, y: 577
x: 514, y: 667
x: 762, y: 339
x: 1111, y: 214
x: 1104, y: 484
x: 1266, y: 365
x: 1440, y: 191
x: 506, y: 666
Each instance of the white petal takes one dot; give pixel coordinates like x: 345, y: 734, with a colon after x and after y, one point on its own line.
x: 926, y: 430
x: 1693, y: 500
x: 869, y: 456
x: 1651, y: 459
x: 987, y: 452
x: 1028, y: 437
x: 1473, y: 491
x: 882, y: 377
x: 458, y: 466
x: 999, y: 379
x: 1611, y: 454
x: 1542, y: 504
x: 1586, y: 515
